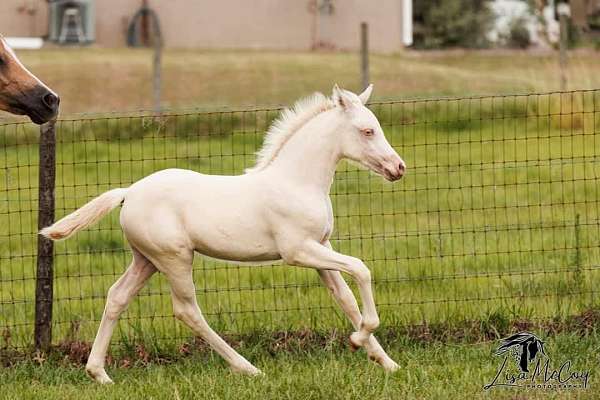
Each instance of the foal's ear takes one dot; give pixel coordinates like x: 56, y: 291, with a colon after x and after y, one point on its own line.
x: 342, y: 98
x: 364, y: 96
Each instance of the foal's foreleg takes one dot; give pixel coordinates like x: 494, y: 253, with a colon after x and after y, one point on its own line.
x: 345, y: 298
x: 319, y: 256
x: 186, y: 309
x: 119, y: 296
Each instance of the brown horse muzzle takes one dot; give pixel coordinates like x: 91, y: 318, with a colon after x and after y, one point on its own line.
x: 40, y: 104
x: 21, y: 92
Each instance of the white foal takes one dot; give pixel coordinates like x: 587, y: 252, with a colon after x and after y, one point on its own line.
x: 280, y: 209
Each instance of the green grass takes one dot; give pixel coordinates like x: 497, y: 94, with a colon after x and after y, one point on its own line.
x: 431, y: 371
x: 496, y: 222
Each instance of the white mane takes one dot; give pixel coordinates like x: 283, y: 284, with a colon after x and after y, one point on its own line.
x: 289, y: 122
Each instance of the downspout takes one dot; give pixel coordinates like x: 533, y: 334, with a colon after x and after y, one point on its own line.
x: 407, y: 22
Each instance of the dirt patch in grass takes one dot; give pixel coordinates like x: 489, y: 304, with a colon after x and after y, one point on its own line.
x: 495, y: 328
x: 75, y: 352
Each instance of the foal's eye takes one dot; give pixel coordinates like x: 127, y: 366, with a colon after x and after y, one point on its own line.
x: 367, y: 132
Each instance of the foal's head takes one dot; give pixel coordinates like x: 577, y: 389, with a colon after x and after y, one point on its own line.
x: 21, y: 92
x: 362, y: 138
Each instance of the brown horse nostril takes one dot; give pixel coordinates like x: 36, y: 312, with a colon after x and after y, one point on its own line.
x: 401, y: 167
x: 51, y: 101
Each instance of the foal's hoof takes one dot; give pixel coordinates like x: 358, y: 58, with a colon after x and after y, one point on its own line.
x: 388, y: 365
x: 353, y: 346
x: 99, y: 375
x: 356, y: 341
x: 250, y: 370
x: 384, y: 360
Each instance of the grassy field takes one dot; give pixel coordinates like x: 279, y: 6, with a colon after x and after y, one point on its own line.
x: 498, y: 216
x: 496, y: 221
x: 98, y: 80
x: 432, y: 371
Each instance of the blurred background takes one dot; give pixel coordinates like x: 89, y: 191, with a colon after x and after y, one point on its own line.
x: 99, y: 55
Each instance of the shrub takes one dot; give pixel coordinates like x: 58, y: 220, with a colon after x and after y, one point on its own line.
x: 518, y: 34
x: 451, y: 23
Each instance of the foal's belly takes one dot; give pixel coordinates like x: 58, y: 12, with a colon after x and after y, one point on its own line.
x: 222, y: 241
x: 230, y: 228
x: 257, y: 254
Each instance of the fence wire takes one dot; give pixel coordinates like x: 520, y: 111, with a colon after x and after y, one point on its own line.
x: 498, y: 213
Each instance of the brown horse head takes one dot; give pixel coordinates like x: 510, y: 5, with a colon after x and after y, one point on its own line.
x: 21, y: 92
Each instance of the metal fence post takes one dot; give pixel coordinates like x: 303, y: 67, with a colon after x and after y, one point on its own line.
x: 563, y: 14
x: 364, y: 55
x: 45, y: 256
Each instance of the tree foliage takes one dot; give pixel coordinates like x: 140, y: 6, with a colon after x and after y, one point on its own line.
x: 451, y: 23
x: 518, y: 35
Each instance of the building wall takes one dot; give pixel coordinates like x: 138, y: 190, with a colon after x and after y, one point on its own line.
x: 342, y: 28
x: 209, y: 24
x: 24, y: 18
x: 272, y: 24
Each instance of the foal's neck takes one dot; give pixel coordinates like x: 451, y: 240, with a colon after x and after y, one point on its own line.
x: 310, y: 157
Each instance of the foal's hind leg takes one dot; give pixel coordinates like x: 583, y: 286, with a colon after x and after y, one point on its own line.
x: 345, y: 298
x: 186, y: 309
x: 119, y: 296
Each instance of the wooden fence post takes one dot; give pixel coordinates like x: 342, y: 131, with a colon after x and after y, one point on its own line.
x: 156, y: 74
x: 45, y: 255
x: 364, y: 55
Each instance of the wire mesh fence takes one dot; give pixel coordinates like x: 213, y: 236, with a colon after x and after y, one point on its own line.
x: 498, y: 212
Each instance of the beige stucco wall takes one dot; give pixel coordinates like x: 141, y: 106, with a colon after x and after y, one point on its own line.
x: 24, y: 18
x: 278, y: 24
x: 384, y: 17
x: 272, y: 24
x: 210, y: 24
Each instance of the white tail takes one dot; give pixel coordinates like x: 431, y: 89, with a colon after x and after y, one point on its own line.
x: 87, y: 215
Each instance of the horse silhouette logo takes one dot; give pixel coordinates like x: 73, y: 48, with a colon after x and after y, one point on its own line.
x: 524, y: 346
